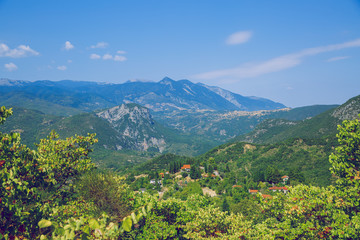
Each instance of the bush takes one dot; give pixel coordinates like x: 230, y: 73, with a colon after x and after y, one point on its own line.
x: 107, y: 191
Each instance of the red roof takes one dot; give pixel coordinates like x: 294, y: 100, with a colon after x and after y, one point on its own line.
x: 285, y: 176
x: 253, y: 191
x: 186, y: 167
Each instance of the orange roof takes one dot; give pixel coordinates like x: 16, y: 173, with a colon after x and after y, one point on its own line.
x: 186, y: 167
x: 253, y: 191
x: 161, y: 174
x: 285, y: 176
x: 213, y: 175
x: 237, y: 186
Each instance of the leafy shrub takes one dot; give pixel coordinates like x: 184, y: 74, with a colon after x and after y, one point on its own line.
x: 107, y: 191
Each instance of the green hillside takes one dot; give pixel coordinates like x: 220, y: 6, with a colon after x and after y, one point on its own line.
x: 309, y: 156
x: 223, y: 126
x: 30, y: 102
x: 324, y: 124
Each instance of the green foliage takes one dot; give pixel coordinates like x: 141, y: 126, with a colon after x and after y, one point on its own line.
x: 225, y: 206
x: 272, y: 175
x: 346, y: 160
x: 32, y: 182
x: 107, y: 191
x: 195, y: 172
x: 191, y: 189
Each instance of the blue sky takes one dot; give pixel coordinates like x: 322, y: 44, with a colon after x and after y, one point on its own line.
x: 294, y: 52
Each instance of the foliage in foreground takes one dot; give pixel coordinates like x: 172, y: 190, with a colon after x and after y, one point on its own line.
x: 50, y: 194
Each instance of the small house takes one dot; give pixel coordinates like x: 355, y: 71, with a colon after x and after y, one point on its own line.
x: 186, y: 168
x: 280, y: 189
x: 285, y: 178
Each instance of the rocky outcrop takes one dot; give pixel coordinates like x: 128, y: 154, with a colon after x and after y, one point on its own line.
x: 136, y: 127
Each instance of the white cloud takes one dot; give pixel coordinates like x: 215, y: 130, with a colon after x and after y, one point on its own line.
x: 121, y: 52
x: 10, y: 67
x: 100, y: 45
x: 239, y: 37
x: 62, y: 68
x: 275, y: 64
x: 20, y: 51
x: 337, y: 58
x: 107, y: 57
x: 68, y: 46
x: 69, y: 61
x: 95, y: 56
x: 120, y: 58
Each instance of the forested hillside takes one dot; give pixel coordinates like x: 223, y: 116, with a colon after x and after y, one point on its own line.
x: 324, y: 124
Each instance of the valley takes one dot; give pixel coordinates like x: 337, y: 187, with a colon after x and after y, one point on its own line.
x: 177, y: 150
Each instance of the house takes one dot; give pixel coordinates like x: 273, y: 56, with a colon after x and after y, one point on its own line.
x: 161, y: 175
x: 186, y: 168
x: 275, y: 189
x: 237, y: 186
x: 253, y: 191
x: 285, y: 178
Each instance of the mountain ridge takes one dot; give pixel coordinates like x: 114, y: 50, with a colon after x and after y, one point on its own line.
x: 163, y: 96
x: 322, y: 125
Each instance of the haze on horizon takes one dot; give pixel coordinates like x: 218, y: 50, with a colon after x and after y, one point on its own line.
x: 297, y: 53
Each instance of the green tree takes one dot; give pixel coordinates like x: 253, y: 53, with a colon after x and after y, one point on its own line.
x: 225, y: 206
x: 346, y: 160
x: 272, y: 175
x: 32, y: 182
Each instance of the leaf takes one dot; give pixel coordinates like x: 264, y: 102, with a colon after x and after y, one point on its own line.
x: 133, y: 217
x: 84, y: 236
x: 144, y: 211
x: 127, y: 223
x: 42, y: 237
x: 93, y: 224
x: 44, y: 223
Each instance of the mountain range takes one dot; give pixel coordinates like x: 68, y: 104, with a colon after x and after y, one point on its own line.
x: 71, y: 97
x: 135, y: 121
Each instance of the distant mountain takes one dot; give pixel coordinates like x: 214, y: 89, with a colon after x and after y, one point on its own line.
x: 125, y: 127
x: 166, y: 95
x: 324, y: 124
x: 225, y: 125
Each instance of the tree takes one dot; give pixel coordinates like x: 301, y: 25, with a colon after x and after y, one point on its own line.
x: 346, y: 159
x: 195, y: 172
x: 225, y: 206
x: 32, y: 182
x: 272, y: 175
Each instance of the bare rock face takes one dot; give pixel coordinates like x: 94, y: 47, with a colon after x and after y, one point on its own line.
x: 135, y: 126
x: 348, y: 110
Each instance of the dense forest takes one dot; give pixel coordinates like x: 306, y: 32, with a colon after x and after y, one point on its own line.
x: 56, y: 192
